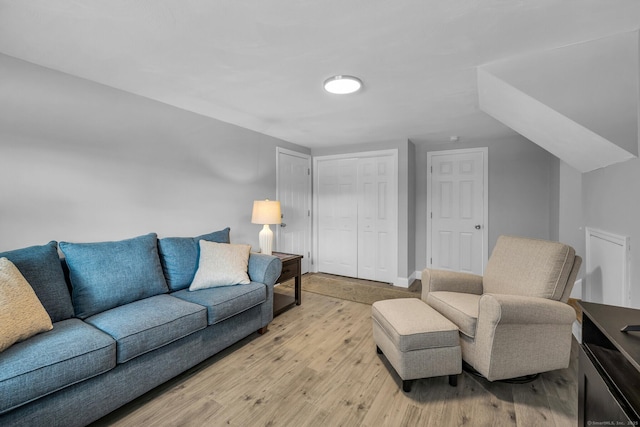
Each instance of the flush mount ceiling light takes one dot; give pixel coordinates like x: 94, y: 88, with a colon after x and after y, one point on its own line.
x: 342, y: 85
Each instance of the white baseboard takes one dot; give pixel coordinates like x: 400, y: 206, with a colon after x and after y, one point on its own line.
x: 405, y: 282
x: 418, y: 274
x: 401, y: 282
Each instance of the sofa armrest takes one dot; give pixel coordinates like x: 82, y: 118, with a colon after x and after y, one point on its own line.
x: 452, y: 281
x: 515, y: 309
x: 264, y: 268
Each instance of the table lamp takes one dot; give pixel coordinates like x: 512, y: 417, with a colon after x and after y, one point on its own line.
x: 266, y: 212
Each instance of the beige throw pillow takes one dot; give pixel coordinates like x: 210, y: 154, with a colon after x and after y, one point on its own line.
x: 221, y: 264
x: 21, y: 312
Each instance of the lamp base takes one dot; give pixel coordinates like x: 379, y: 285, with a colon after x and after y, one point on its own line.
x: 265, y: 237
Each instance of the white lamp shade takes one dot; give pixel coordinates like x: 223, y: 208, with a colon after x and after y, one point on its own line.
x: 266, y: 212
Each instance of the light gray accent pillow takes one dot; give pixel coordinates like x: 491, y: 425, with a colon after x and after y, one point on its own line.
x: 221, y: 264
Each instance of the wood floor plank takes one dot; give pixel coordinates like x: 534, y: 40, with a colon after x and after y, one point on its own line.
x: 496, y: 406
x: 389, y: 405
x: 560, y: 388
x: 340, y: 344
x: 317, y: 366
x: 532, y: 406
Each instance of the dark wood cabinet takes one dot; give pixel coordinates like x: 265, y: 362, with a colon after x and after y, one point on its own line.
x: 609, y: 367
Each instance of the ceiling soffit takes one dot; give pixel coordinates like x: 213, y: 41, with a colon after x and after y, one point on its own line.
x: 579, y: 102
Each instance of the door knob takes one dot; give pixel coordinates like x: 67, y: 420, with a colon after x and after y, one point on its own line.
x: 478, y: 227
x: 283, y: 225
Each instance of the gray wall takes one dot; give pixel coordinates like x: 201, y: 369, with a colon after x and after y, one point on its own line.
x: 570, y: 219
x: 523, y: 192
x: 607, y: 199
x: 80, y: 161
x: 522, y: 189
x: 411, y: 223
x: 611, y: 202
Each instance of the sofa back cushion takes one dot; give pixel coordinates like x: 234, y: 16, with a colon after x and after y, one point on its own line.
x: 40, y: 266
x: 179, y: 257
x: 529, y: 267
x: 109, y: 274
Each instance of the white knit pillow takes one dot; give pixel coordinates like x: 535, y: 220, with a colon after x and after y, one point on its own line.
x: 21, y: 312
x: 221, y: 264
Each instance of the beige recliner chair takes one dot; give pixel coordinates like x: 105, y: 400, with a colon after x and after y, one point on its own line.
x: 514, y: 321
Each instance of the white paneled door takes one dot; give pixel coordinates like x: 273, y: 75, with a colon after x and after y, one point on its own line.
x: 356, y: 208
x: 456, y: 222
x: 377, y: 222
x: 337, y: 211
x: 294, y: 194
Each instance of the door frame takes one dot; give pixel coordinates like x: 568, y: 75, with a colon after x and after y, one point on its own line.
x: 485, y: 199
x: 308, y: 231
x: 377, y: 153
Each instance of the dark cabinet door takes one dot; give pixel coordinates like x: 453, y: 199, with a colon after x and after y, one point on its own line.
x: 596, y: 404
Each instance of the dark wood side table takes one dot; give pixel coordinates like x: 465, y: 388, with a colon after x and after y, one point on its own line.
x: 291, y: 268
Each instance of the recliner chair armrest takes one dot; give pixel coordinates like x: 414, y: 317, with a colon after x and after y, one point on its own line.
x: 452, y: 281
x: 515, y: 309
x: 519, y: 335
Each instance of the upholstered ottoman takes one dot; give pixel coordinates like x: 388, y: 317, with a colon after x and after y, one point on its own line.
x: 417, y: 340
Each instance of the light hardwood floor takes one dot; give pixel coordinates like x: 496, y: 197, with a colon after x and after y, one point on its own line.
x: 317, y: 366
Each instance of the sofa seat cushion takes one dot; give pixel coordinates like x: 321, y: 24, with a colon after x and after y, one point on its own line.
x: 460, y: 308
x: 145, y: 325
x: 227, y: 301
x: 71, y: 352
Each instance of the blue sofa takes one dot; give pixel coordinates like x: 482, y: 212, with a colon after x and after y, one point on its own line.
x: 124, y: 322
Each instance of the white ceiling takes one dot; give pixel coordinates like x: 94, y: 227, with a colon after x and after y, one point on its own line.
x: 261, y: 64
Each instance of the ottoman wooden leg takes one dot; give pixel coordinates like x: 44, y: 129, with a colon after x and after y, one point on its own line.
x: 453, y: 380
x: 406, y: 385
